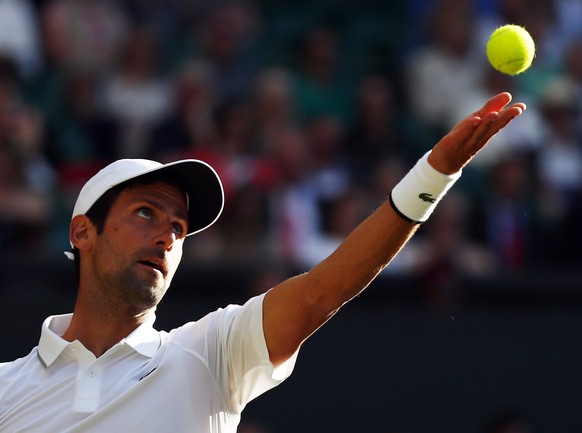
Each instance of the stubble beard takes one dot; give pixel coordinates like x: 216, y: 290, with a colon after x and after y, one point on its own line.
x: 132, y: 290
x: 137, y: 292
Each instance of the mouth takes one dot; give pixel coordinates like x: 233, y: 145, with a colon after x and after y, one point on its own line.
x: 157, y: 265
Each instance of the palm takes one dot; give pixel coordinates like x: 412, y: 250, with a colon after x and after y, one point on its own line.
x: 472, y: 133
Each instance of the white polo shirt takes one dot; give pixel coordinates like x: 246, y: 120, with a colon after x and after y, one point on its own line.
x: 196, y: 378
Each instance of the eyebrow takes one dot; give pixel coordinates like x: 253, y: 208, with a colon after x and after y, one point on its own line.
x: 178, y: 213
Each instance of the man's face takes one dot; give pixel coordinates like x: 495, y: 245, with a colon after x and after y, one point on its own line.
x: 135, y: 257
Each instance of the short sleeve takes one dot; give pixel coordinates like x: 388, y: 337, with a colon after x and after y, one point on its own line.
x: 231, y: 343
x: 256, y: 374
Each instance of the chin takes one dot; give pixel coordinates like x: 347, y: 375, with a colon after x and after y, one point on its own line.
x: 143, y: 295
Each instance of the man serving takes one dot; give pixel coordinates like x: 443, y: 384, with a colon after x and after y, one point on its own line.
x: 105, y: 368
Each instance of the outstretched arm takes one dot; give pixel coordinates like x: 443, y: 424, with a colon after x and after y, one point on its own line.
x: 297, y: 307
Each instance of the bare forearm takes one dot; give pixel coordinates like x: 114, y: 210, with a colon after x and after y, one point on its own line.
x: 318, y: 294
x: 360, y: 258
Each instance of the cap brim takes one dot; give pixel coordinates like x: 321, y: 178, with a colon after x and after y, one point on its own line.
x: 204, y: 189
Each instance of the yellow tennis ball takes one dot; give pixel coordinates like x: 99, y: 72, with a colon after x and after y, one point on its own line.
x: 511, y: 49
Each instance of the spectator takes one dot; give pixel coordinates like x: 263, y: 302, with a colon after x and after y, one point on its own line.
x: 445, y: 253
x: 293, y: 207
x: 273, y: 104
x: 379, y: 130
x: 510, y: 216
x: 85, y: 34
x: 83, y: 136
x: 19, y: 36
x: 234, y: 149
x: 190, y: 122
x: 448, y: 59
x: 136, y: 95
x: 539, y: 18
x: 320, y: 88
x: 244, y: 241
x: 225, y: 38
x: 331, y: 171
x: 344, y: 212
x: 26, y: 179
x: 558, y: 164
x: 559, y: 161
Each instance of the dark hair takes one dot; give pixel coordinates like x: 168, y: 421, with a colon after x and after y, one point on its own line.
x: 99, y: 211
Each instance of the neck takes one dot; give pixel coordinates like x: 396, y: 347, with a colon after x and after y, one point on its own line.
x: 99, y: 330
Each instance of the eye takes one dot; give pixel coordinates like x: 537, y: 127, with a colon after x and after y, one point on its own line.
x: 178, y: 229
x: 144, y: 212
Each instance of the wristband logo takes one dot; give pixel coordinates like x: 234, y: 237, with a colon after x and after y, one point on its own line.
x: 424, y: 196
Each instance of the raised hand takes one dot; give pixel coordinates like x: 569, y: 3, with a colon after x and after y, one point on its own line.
x: 471, y: 134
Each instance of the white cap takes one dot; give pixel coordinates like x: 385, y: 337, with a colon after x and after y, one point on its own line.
x: 205, y: 195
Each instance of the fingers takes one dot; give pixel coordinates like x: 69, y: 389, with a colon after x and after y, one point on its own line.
x: 495, y: 107
x: 472, y: 133
x: 490, y: 124
x: 494, y: 121
x: 496, y: 103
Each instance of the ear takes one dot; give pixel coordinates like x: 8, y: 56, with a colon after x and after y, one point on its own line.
x: 81, y: 232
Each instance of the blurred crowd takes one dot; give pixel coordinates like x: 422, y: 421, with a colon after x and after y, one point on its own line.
x: 309, y: 110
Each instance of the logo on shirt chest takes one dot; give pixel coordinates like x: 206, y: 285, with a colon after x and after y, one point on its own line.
x: 143, y: 376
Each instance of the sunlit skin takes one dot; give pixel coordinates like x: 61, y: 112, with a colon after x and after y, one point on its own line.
x: 127, y: 269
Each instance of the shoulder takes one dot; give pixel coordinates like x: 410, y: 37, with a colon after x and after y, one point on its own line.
x: 18, y: 368
x: 219, y: 324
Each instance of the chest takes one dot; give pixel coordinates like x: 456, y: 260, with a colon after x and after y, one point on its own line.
x: 139, y: 393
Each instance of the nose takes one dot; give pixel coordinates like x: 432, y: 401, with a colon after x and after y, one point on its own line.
x: 166, y: 236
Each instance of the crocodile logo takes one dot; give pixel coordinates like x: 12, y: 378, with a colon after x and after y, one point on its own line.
x: 424, y: 196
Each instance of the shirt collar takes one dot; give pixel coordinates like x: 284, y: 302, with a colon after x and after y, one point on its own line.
x: 51, y: 344
x: 145, y: 340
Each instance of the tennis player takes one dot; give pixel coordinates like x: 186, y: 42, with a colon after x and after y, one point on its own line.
x: 105, y: 368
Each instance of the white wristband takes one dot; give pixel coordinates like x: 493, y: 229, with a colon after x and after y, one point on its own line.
x: 416, y: 196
